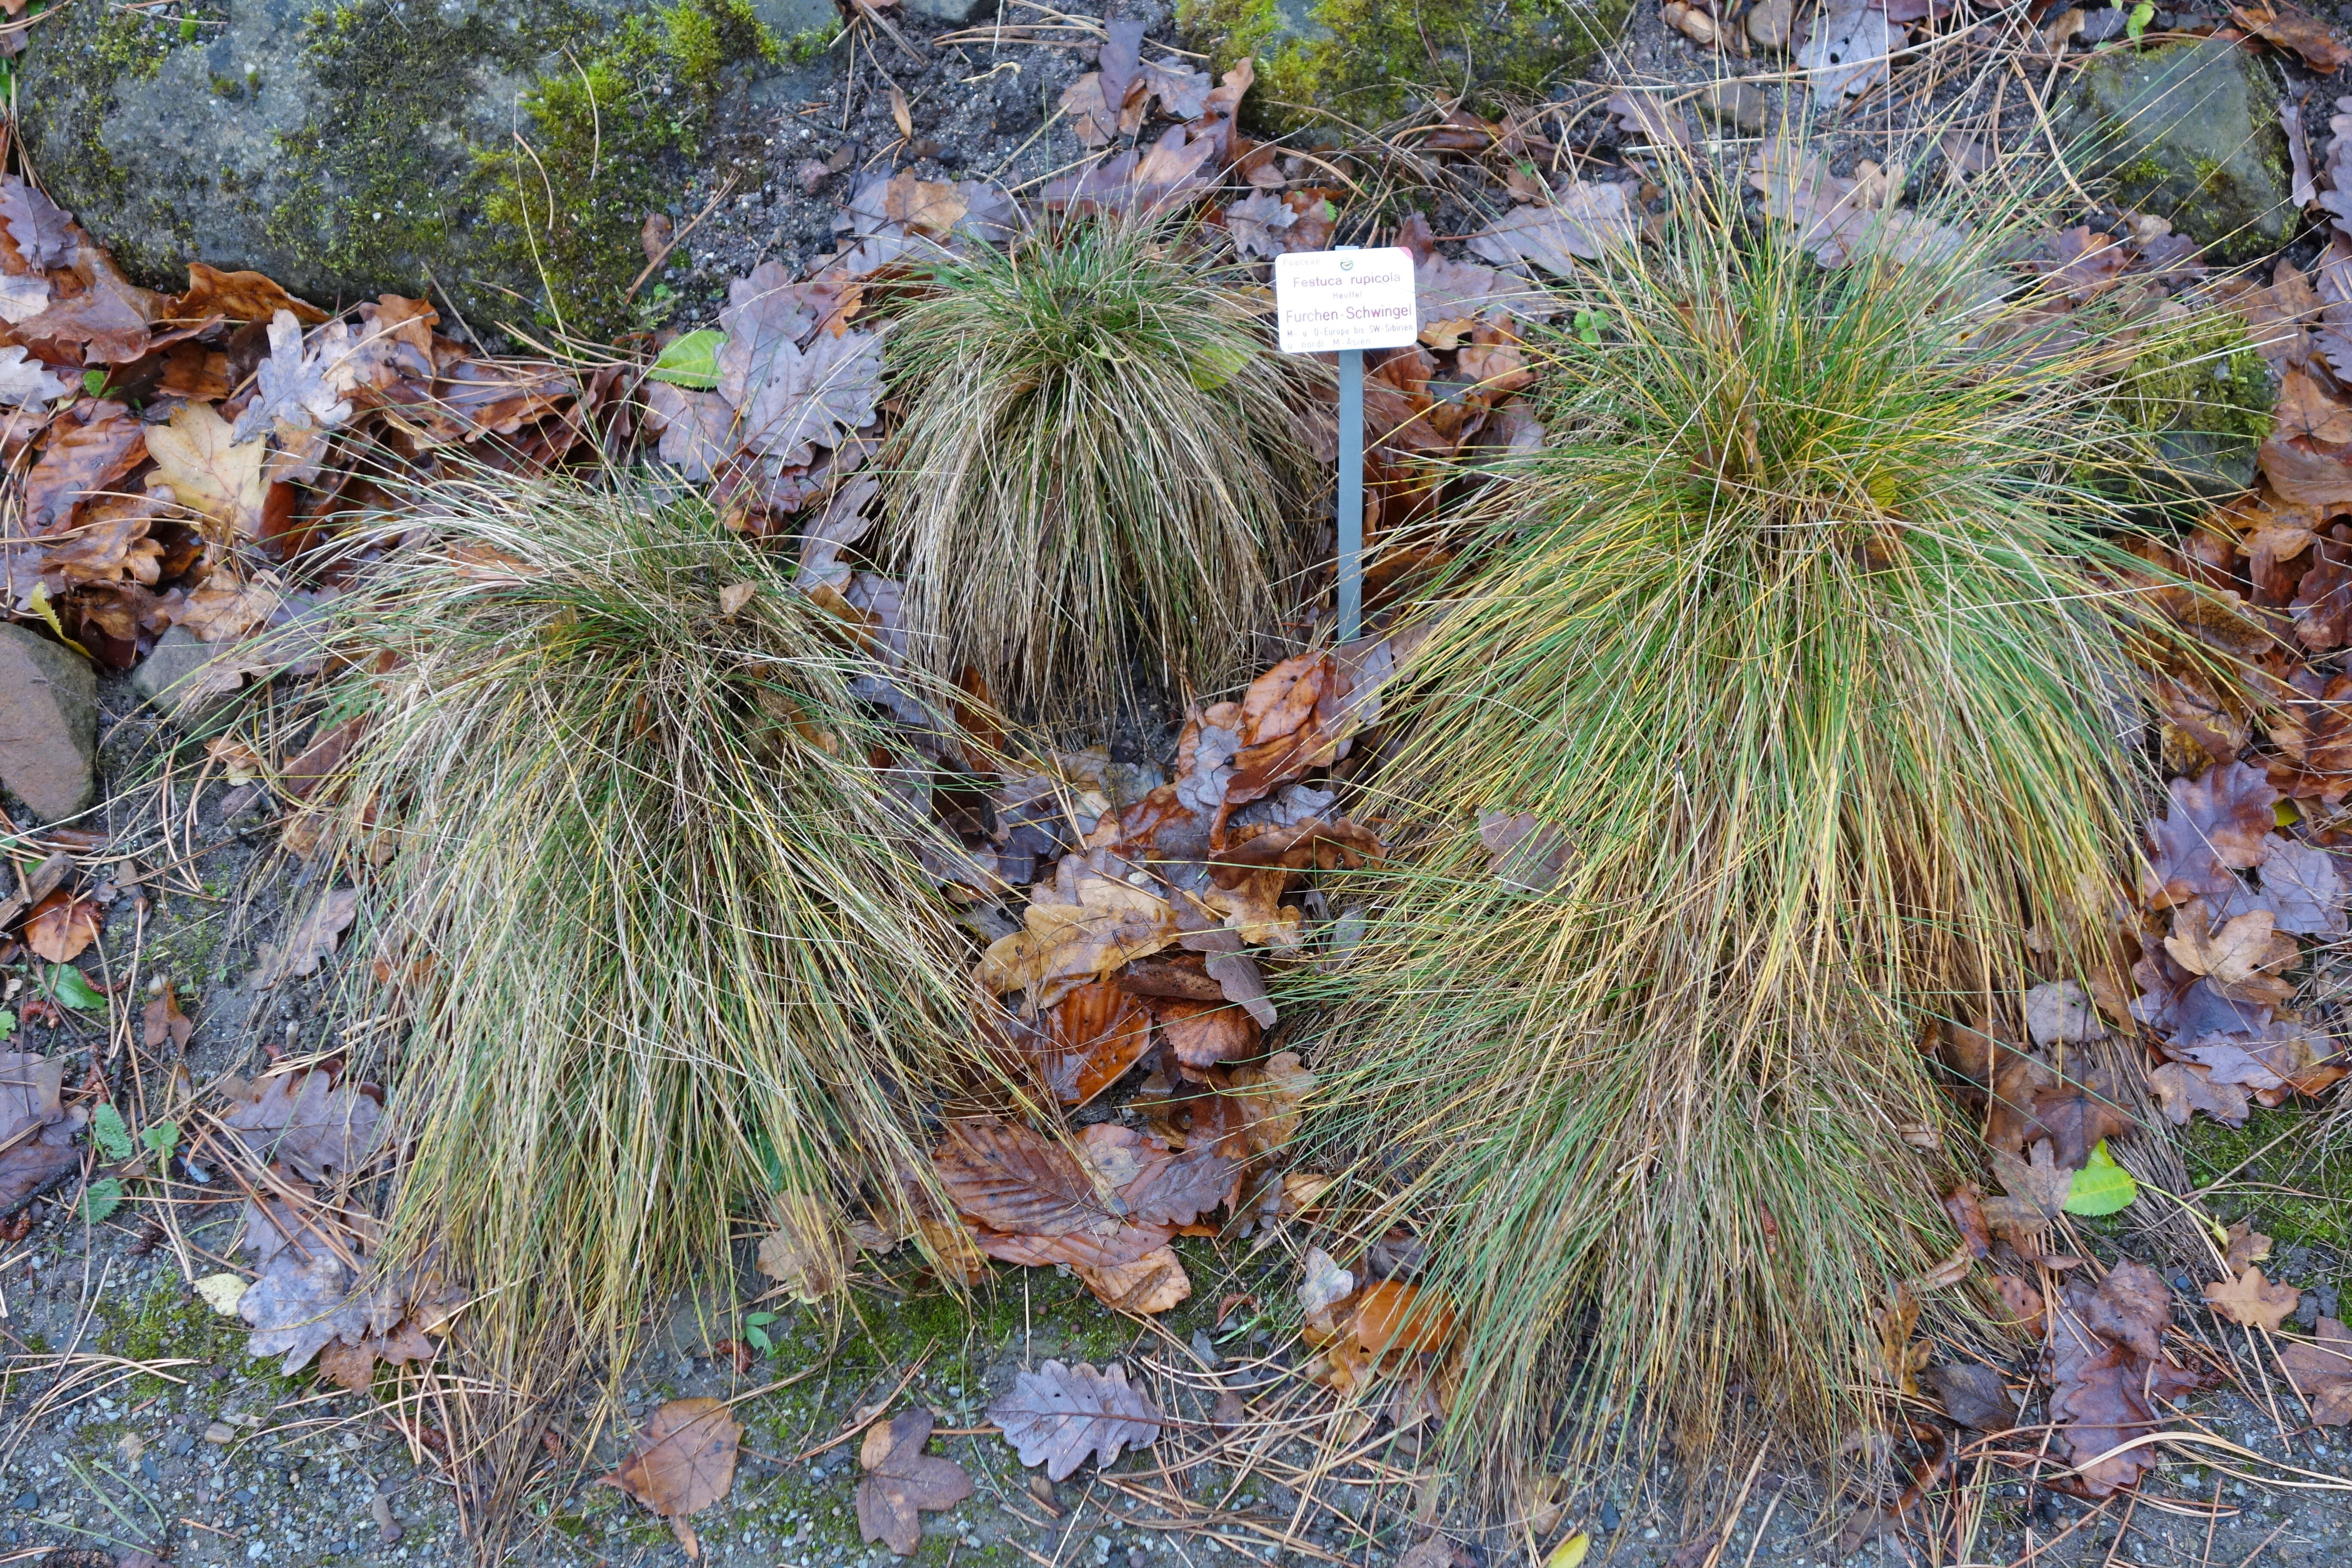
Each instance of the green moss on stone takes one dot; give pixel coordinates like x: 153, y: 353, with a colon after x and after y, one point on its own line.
x: 607, y: 141
x: 1369, y: 61
x: 166, y: 1322
x: 2199, y: 398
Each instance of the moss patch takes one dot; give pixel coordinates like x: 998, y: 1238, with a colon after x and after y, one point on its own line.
x: 2293, y: 1192
x: 168, y: 1323
x: 1365, y: 60
x: 607, y: 141
x: 2201, y: 400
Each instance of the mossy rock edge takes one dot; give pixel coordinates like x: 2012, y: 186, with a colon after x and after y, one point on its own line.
x: 497, y: 155
x: 1366, y: 61
x: 2189, y: 131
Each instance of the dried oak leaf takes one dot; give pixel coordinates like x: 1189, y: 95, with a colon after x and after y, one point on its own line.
x: 2036, y: 1190
x: 2305, y: 888
x: 2321, y: 1371
x: 1582, y: 218
x: 806, y: 1253
x: 36, y: 1132
x: 685, y: 1459
x: 42, y: 230
x: 2106, y: 1367
x: 1058, y: 1415
x: 25, y: 382
x: 901, y: 1480
x: 309, y: 1121
x: 301, y: 1302
x: 2217, y: 823
x: 2183, y: 1089
x: 208, y: 471
x: 2244, y: 1246
x: 62, y: 926
x: 292, y: 387
x: 312, y: 942
x: 2231, y: 952
x: 1524, y: 853
x: 1086, y: 921
x: 2252, y: 1301
x: 1273, y: 1094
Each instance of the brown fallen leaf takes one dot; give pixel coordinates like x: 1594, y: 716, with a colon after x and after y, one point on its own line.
x: 1393, y: 1316
x: 1204, y: 1033
x: 1093, y: 1035
x: 2244, y: 1246
x: 2217, y: 823
x: 2183, y: 1089
x: 164, y: 1021
x: 238, y: 297
x: 2108, y: 1369
x: 2231, y: 952
x: 685, y: 1462
x: 902, y: 1481
x: 1974, y: 1396
x: 2251, y: 1301
x: 2321, y: 1373
x: 36, y: 1133
x: 1273, y: 1094
x: 1060, y: 1414
x: 1150, y: 1284
x: 1086, y: 923
x: 62, y: 926
x: 90, y: 447
x: 2296, y: 31
x: 1038, y: 1202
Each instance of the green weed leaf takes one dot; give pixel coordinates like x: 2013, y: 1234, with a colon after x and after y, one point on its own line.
x: 75, y: 991
x: 162, y: 1139
x: 107, y: 1128
x: 691, y: 360
x: 755, y: 1332
x: 101, y: 1198
x: 1588, y: 326
x: 2102, y: 1186
x: 2141, y: 16
x: 7, y: 1025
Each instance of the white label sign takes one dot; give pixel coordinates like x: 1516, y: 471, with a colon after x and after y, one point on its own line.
x: 1330, y: 300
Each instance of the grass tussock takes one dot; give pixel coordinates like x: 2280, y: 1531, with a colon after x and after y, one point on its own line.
x: 1795, y: 645
x: 1090, y: 497
x: 645, y: 889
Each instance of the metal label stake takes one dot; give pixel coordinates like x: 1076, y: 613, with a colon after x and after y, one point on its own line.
x: 1345, y: 301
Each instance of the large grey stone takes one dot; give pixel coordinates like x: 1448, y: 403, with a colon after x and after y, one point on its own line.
x: 48, y: 723
x: 371, y: 145
x: 2191, y: 133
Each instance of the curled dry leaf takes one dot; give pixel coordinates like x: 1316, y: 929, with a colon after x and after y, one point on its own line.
x: 2244, y: 1246
x: 902, y: 1481
x: 2107, y: 1372
x: 1152, y: 1283
x: 1273, y: 1094
x: 2251, y: 1301
x: 1059, y: 1414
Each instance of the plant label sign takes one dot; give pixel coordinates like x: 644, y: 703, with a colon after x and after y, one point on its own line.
x: 1341, y: 299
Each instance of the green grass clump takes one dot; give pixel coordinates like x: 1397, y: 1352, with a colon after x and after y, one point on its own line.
x: 1089, y: 495
x: 648, y: 898
x: 1794, y: 639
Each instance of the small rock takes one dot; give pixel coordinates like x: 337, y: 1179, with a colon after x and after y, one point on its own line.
x: 380, y: 1510
x: 956, y: 13
x: 48, y: 723
x: 220, y: 1432
x: 163, y: 678
x: 1609, y: 1518
x: 2306, y: 1312
x: 1206, y: 1351
x: 28, y: 1501
x: 1739, y: 104
x: 1771, y: 23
